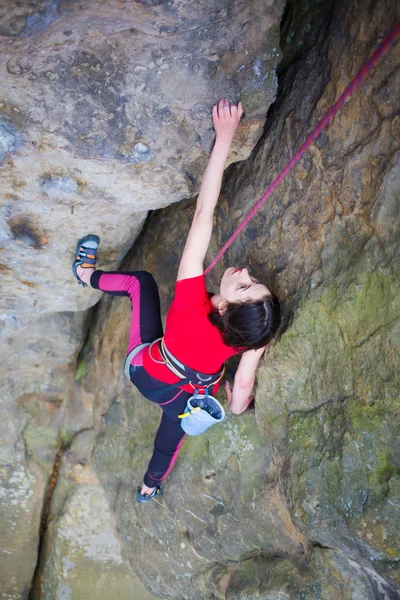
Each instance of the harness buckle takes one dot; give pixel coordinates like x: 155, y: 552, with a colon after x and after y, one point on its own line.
x: 184, y: 372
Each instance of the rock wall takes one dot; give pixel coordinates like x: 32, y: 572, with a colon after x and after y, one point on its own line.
x: 298, y: 499
x: 309, y: 510
x: 104, y: 114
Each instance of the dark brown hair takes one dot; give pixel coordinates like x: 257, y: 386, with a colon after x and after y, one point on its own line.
x: 248, y: 325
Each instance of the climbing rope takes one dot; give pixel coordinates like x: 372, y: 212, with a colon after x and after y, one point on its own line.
x: 353, y: 85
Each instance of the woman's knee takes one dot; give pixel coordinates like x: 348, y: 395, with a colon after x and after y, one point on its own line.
x: 145, y: 277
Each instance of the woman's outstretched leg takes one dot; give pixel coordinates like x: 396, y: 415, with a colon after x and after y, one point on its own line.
x: 167, y: 444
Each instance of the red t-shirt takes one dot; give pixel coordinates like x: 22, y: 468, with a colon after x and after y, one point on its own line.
x: 189, y: 335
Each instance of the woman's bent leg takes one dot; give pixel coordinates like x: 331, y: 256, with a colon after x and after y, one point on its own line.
x: 142, y: 290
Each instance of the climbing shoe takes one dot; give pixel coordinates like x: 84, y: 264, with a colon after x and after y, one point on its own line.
x: 85, y: 255
x: 143, y: 498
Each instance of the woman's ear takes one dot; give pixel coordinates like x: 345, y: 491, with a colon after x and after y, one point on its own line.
x: 222, y: 304
x: 219, y: 303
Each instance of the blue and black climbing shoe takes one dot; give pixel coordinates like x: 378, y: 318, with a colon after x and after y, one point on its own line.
x: 85, y: 255
x: 143, y: 498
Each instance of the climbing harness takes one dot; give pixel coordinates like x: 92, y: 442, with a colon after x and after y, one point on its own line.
x: 202, y: 410
x: 196, y: 378
x: 129, y: 357
x: 353, y: 85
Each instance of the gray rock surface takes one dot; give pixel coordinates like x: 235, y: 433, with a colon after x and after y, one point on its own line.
x: 104, y: 114
x: 298, y: 500
x: 327, y: 397
x: 81, y: 555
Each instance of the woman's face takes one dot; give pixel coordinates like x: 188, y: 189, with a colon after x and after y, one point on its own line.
x: 238, y: 286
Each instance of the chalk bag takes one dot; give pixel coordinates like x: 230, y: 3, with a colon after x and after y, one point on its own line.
x: 202, y: 411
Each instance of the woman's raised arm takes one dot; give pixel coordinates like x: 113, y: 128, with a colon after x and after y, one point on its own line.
x: 226, y: 117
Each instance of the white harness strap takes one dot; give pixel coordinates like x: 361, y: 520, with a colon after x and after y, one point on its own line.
x: 129, y: 358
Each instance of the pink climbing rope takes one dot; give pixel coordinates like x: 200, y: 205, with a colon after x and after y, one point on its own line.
x: 353, y: 85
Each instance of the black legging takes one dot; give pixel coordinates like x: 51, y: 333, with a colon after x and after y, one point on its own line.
x: 146, y: 326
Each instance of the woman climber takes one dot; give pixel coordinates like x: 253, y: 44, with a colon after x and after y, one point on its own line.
x: 202, y: 331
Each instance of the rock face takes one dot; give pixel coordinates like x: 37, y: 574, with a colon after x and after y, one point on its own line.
x: 104, y: 114
x: 319, y: 493
x: 38, y: 414
x: 81, y: 556
x: 300, y: 498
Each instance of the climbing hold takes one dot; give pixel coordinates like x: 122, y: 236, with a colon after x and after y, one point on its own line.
x: 141, y: 153
x: 60, y: 188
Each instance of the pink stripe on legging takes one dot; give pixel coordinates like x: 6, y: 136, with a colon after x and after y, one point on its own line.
x: 171, y: 464
x: 174, y: 398
x: 126, y: 283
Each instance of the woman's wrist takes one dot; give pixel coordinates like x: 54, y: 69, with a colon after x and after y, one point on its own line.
x: 221, y: 148
x: 224, y: 141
